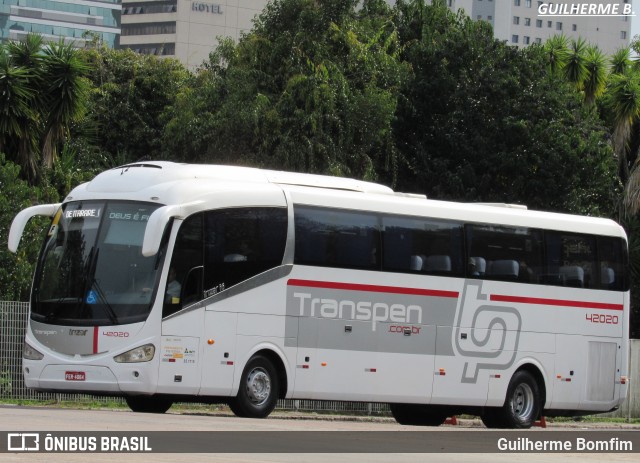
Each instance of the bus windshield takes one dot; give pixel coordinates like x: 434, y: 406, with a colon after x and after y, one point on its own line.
x: 91, y: 271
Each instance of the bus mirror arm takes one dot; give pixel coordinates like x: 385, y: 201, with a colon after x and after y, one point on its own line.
x: 158, y: 222
x: 23, y: 217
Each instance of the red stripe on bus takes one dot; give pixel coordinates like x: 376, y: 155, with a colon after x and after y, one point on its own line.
x: 373, y: 288
x: 556, y: 302
x: 95, y: 339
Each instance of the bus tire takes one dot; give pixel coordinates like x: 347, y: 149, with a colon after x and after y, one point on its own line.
x: 258, y: 392
x: 417, y: 415
x: 522, y: 405
x: 148, y: 404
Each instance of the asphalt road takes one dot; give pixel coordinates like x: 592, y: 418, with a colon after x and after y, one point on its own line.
x: 385, y: 441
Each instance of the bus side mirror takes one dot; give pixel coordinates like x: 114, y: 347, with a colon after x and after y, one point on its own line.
x: 23, y: 217
x: 158, y: 221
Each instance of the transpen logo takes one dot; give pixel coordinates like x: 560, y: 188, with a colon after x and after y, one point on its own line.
x: 358, y: 310
x: 494, y: 333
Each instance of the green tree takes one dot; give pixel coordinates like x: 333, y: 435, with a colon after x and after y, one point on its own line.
x: 43, y: 90
x: 65, y: 91
x: 481, y: 121
x: 313, y: 87
x: 127, y: 101
x: 622, y: 100
x: 557, y: 54
x: 19, y: 129
x: 575, y: 67
x: 579, y: 63
x: 595, y: 81
x: 16, y: 270
x: 620, y: 61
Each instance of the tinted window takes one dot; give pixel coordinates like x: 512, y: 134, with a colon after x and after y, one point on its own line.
x: 611, y: 253
x: 369, y: 241
x: 504, y: 253
x: 571, y: 260
x: 184, y: 284
x: 422, y: 246
x: 241, y: 243
x: 335, y: 238
x: 92, y: 271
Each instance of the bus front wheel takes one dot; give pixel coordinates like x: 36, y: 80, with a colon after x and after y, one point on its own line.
x: 258, y: 392
x: 522, y: 405
x: 148, y: 404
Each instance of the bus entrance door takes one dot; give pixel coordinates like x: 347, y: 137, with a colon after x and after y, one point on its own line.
x: 180, y: 355
x: 219, y: 353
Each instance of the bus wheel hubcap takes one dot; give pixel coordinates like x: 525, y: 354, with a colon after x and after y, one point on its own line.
x: 258, y: 386
x: 522, y: 402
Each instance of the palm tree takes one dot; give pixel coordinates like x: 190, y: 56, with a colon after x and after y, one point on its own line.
x: 19, y: 132
x: 620, y: 61
x: 575, y: 68
x: 623, y: 102
x: 64, y: 95
x: 595, y: 81
x: 27, y: 53
x: 557, y: 53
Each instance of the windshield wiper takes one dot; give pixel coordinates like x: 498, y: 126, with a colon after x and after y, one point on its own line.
x: 89, y: 271
x: 105, y: 303
x: 94, y: 284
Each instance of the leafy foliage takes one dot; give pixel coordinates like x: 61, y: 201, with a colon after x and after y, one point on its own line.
x: 313, y: 87
x: 129, y: 95
x: 43, y: 90
x: 16, y: 270
x: 481, y: 121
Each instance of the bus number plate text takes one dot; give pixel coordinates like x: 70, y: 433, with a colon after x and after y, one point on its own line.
x: 74, y: 376
x: 603, y: 319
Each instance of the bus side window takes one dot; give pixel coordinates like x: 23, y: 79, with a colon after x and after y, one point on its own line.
x: 337, y: 238
x: 418, y: 245
x: 241, y: 243
x: 185, y: 270
x: 611, y: 263
x: 505, y: 253
x: 571, y: 260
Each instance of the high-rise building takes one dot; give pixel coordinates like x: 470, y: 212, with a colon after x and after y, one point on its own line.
x: 76, y: 21
x: 189, y: 29
x: 185, y: 29
x: 523, y: 22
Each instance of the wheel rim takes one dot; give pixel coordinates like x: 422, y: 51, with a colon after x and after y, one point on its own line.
x: 522, y: 402
x: 258, y: 386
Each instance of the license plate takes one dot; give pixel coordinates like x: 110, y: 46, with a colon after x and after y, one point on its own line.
x: 75, y: 376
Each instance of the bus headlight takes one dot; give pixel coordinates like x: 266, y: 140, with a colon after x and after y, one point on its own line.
x: 30, y: 353
x: 139, y: 354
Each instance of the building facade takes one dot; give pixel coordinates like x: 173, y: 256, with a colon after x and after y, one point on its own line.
x: 185, y: 29
x: 76, y: 21
x: 520, y: 23
x: 189, y: 29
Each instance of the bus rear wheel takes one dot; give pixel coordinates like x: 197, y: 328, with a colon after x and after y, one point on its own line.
x: 522, y: 405
x: 258, y: 392
x: 148, y: 404
x: 418, y: 415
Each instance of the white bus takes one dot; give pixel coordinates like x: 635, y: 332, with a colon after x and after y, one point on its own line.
x: 165, y: 282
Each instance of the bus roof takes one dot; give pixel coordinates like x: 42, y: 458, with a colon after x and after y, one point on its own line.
x: 142, y: 175
x: 174, y: 183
